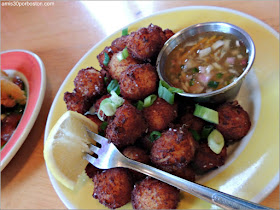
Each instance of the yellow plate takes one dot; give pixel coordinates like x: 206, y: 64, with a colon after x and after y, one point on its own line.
x: 252, y: 170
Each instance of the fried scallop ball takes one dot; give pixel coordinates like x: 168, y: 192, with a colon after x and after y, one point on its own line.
x: 120, y: 43
x: 89, y: 82
x: 185, y: 172
x: 76, y: 102
x: 127, y: 126
x: 101, y: 56
x: 154, y: 194
x: 160, y: 114
x: 139, y: 155
x: 175, y: 148
x: 145, y: 43
x: 138, y: 81
x: 116, y: 67
x: 191, y: 121
x: 113, y: 187
x: 205, y: 159
x: 234, y: 121
x: 91, y: 170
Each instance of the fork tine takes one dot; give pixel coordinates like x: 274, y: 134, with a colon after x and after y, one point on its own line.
x: 89, y: 158
x: 93, y: 148
x: 96, y: 137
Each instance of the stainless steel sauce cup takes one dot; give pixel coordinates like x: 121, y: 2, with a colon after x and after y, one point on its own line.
x: 226, y: 93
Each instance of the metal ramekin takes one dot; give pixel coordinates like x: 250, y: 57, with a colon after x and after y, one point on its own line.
x: 226, y: 93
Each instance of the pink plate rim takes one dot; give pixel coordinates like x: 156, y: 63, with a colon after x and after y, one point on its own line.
x: 32, y: 67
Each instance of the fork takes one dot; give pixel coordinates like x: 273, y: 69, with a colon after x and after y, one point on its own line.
x: 110, y: 157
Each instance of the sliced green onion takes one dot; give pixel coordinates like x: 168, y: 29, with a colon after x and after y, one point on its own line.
x: 219, y: 75
x: 140, y: 105
x: 206, y: 114
x: 206, y: 130
x: 106, y: 59
x: 195, y: 70
x: 103, y: 126
x: 116, y: 100
x: 109, y: 105
x: 125, y: 32
x: 148, y: 101
x: 191, y: 83
x: 166, y: 92
x: 123, y: 54
x: 195, y: 134
x: 154, y: 136
x: 114, y: 86
x: 216, y: 141
x: 213, y: 84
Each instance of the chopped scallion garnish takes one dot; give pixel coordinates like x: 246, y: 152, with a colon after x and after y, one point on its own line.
x: 219, y: 75
x: 140, y: 105
x: 206, y: 114
x: 213, y: 84
x: 195, y: 134
x: 154, y: 136
x: 114, y: 86
x: 195, y: 70
x: 216, y: 141
x: 103, y: 126
x: 106, y: 59
x: 125, y: 32
x: 166, y: 92
x: 148, y: 101
x: 123, y: 54
x: 206, y: 130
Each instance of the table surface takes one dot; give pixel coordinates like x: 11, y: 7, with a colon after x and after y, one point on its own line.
x: 61, y: 33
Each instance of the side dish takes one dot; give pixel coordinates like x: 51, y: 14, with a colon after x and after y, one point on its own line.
x: 205, y: 62
x: 149, y: 123
x: 13, y: 100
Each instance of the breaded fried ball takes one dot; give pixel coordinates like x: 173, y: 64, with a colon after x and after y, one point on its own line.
x: 175, y: 148
x: 76, y: 102
x: 116, y: 67
x: 191, y: 121
x: 139, y: 155
x: 154, y: 194
x: 89, y: 82
x: 205, y: 159
x: 113, y: 187
x: 91, y: 170
x: 96, y: 120
x: 127, y: 126
x: 138, y: 81
x: 145, y: 43
x: 234, y: 121
x: 160, y: 114
x: 101, y: 56
x: 120, y: 43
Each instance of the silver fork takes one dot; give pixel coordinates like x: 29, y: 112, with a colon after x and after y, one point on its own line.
x: 110, y: 157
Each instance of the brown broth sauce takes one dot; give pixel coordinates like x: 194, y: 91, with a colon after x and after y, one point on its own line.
x: 206, y: 62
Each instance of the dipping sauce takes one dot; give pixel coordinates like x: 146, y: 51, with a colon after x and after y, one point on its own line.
x: 206, y: 62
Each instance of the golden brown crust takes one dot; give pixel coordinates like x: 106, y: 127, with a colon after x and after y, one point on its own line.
x: 127, y: 126
x: 146, y: 43
x: 205, y: 159
x: 89, y: 82
x: 234, y: 121
x: 120, y: 43
x: 101, y: 56
x: 116, y: 67
x: 77, y: 103
x: 113, y: 187
x: 138, y: 81
x: 154, y: 194
x: 175, y: 148
x: 160, y: 114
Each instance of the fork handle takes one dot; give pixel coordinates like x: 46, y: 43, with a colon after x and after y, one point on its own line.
x: 218, y: 198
